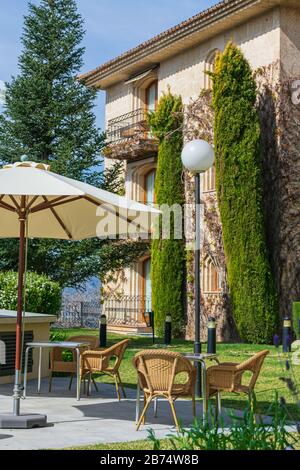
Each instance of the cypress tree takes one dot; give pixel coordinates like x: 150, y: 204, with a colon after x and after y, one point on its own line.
x: 240, y: 191
x: 168, y: 255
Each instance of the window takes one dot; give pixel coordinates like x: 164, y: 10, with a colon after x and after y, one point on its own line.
x: 210, y: 279
x: 208, y: 180
x: 147, y: 285
x: 151, y: 96
x: 209, y: 67
x: 149, y: 194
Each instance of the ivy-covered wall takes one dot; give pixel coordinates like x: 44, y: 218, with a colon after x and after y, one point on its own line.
x: 168, y: 255
x: 240, y: 195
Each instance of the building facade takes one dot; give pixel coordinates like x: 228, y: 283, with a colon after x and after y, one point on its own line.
x: 267, y: 31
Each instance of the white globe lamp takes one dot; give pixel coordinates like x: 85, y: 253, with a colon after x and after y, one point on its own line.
x: 197, y: 156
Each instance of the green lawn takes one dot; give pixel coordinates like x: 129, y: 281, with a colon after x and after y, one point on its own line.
x: 268, y: 382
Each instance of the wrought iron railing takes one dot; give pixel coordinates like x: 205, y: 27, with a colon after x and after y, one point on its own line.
x: 128, y: 126
x: 127, y: 309
x: 79, y: 314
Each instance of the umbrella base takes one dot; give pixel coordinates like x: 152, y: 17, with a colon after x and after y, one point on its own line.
x: 10, y: 421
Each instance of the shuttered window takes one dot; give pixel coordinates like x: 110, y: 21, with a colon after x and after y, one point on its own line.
x: 7, y: 352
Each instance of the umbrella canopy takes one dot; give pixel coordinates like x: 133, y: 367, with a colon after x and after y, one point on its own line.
x: 37, y: 203
x: 60, y: 207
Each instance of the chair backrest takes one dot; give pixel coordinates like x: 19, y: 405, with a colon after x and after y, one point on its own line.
x: 158, y: 368
x: 56, y: 354
x: 117, y: 350
x: 93, y: 341
x: 254, y: 364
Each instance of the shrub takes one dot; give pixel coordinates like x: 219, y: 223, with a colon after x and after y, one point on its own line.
x: 240, y: 192
x: 42, y: 294
x: 168, y: 255
x: 246, y: 433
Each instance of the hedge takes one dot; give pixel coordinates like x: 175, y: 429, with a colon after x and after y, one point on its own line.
x: 42, y: 294
x: 168, y: 256
x: 240, y: 191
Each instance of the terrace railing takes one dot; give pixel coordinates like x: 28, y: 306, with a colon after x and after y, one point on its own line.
x: 128, y: 310
x: 128, y: 126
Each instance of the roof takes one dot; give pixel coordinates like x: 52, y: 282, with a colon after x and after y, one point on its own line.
x: 226, y: 14
x: 9, y: 316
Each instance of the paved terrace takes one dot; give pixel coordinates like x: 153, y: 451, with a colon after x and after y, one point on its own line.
x: 99, y: 418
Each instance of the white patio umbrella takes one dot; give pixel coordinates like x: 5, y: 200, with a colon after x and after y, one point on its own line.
x: 36, y: 203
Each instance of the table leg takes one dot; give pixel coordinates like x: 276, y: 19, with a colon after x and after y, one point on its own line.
x: 137, y: 405
x: 78, y: 374
x: 155, y: 407
x: 25, y: 371
x: 204, y: 396
x: 40, y: 371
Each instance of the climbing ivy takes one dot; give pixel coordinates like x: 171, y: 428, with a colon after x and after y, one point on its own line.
x: 168, y: 255
x: 239, y: 188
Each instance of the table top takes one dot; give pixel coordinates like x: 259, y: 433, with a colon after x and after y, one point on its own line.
x: 199, y: 357
x: 57, y: 344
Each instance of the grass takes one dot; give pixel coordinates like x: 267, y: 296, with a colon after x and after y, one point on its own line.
x: 132, y: 445
x: 268, y: 382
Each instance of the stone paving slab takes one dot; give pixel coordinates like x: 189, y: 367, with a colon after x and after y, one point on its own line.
x: 100, y: 418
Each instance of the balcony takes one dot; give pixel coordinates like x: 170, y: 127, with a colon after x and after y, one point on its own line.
x: 129, y: 137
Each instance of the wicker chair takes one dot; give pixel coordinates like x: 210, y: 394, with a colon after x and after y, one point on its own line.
x: 98, y: 362
x: 57, y: 364
x: 157, y: 371
x: 228, y: 377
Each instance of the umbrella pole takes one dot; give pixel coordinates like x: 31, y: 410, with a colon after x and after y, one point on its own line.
x: 16, y: 420
x: 18, y: 358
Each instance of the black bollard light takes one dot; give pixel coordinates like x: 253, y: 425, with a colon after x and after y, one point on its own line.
x: 211, y: 336
x: 168, y: 330
x: 286, y: 335
x: 103, y: 327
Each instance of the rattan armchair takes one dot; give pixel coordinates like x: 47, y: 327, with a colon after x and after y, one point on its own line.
x: 157, y: 371
x: 228, y: 377
x: 98, y: 361
x: 57, y: 363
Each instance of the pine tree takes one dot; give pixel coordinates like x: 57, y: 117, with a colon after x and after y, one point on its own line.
x: 48, y: 115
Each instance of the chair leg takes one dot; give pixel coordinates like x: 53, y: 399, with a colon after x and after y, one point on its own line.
x: 71, y: 381
x: 50, y: 382
x: 88, y: 391
x: 121, y: 384
x: 219, y: 403
x: 95, y: 385
x: 117, y: 387
x: 174, y: 413
x: 145, y: 401
x: 141, y: 420
x: 155, y: 407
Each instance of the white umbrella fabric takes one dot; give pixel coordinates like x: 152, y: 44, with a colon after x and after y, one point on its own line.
x: 38, y: 203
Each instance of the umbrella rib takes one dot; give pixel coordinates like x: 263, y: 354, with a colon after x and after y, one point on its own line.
x: 56, y: 202
x: 59, y: 219
x: 15, y: 202
x: 32, y: 202
x: 6, y: 206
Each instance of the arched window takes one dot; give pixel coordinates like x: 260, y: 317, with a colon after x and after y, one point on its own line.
x: 208, y: 180
x: 149, y: 192
x: 151, y: 96
x: 210, y: 279
x: 209, y: 67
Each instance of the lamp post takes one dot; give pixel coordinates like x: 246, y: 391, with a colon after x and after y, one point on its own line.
x: 197, y: 157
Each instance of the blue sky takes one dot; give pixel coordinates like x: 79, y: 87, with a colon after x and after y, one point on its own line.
x: 112, y: 27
